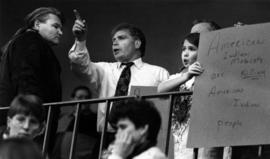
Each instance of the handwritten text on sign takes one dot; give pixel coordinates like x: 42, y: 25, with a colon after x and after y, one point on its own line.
x: 231, y: 99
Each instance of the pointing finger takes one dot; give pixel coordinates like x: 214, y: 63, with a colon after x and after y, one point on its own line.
x: 77, y: 15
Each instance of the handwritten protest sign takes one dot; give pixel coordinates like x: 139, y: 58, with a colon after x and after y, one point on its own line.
x: 231, y: 99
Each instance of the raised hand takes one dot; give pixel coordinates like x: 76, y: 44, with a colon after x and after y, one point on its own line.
x: 79, y: 28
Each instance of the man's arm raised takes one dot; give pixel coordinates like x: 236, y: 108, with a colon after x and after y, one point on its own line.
x: 79, y: 57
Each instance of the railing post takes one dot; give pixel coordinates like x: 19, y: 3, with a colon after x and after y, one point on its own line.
x: 104, y: 131
x: 195, y: 153
x: 169, y: 125
x: 47, y: 132
x: 75, y: 130
x: 260, y: 151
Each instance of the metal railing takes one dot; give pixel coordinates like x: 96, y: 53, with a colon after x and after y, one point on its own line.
x: 78, y: 104
x: 108, y: 101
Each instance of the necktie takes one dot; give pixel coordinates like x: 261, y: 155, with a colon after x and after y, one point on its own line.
x: 122, y: 84
x: 124, y: 80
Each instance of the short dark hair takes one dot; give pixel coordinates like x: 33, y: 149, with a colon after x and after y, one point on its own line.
x: 213, y: 25
x: 81, y: 88
x: 134, y: 32
x: 141, y: 113
x: 27, y: 104
x: 193, y: 38
x: 19, y: 148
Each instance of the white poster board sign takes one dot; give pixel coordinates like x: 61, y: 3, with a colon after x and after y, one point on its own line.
x: 231, y: 99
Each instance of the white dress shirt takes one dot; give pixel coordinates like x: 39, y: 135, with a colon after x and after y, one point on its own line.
x: 104, y: 76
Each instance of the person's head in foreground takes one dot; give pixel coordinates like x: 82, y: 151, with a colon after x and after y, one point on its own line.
x: 26, y: 117
x: 19, y: 148
x: 128, y: 42
x: 200, y: 26
x: 138, y: 123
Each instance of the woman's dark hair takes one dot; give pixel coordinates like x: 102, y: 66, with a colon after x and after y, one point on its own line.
x: 40, y: 14
x: 141, y: 113
x: 193, y: 38
x: 134, y: 31
x: 19, y: 148
x: 27, y: 104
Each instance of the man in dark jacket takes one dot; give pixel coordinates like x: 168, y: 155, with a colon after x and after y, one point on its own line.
x: 28, y: 64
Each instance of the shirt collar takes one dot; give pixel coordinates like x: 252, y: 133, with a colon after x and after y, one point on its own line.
x: 137, y: 63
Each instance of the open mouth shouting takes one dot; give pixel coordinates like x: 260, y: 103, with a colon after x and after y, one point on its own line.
x: 116, y: 51
x: 185, y: 62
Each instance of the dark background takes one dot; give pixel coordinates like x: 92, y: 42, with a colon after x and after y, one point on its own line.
x: 164, y: 22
